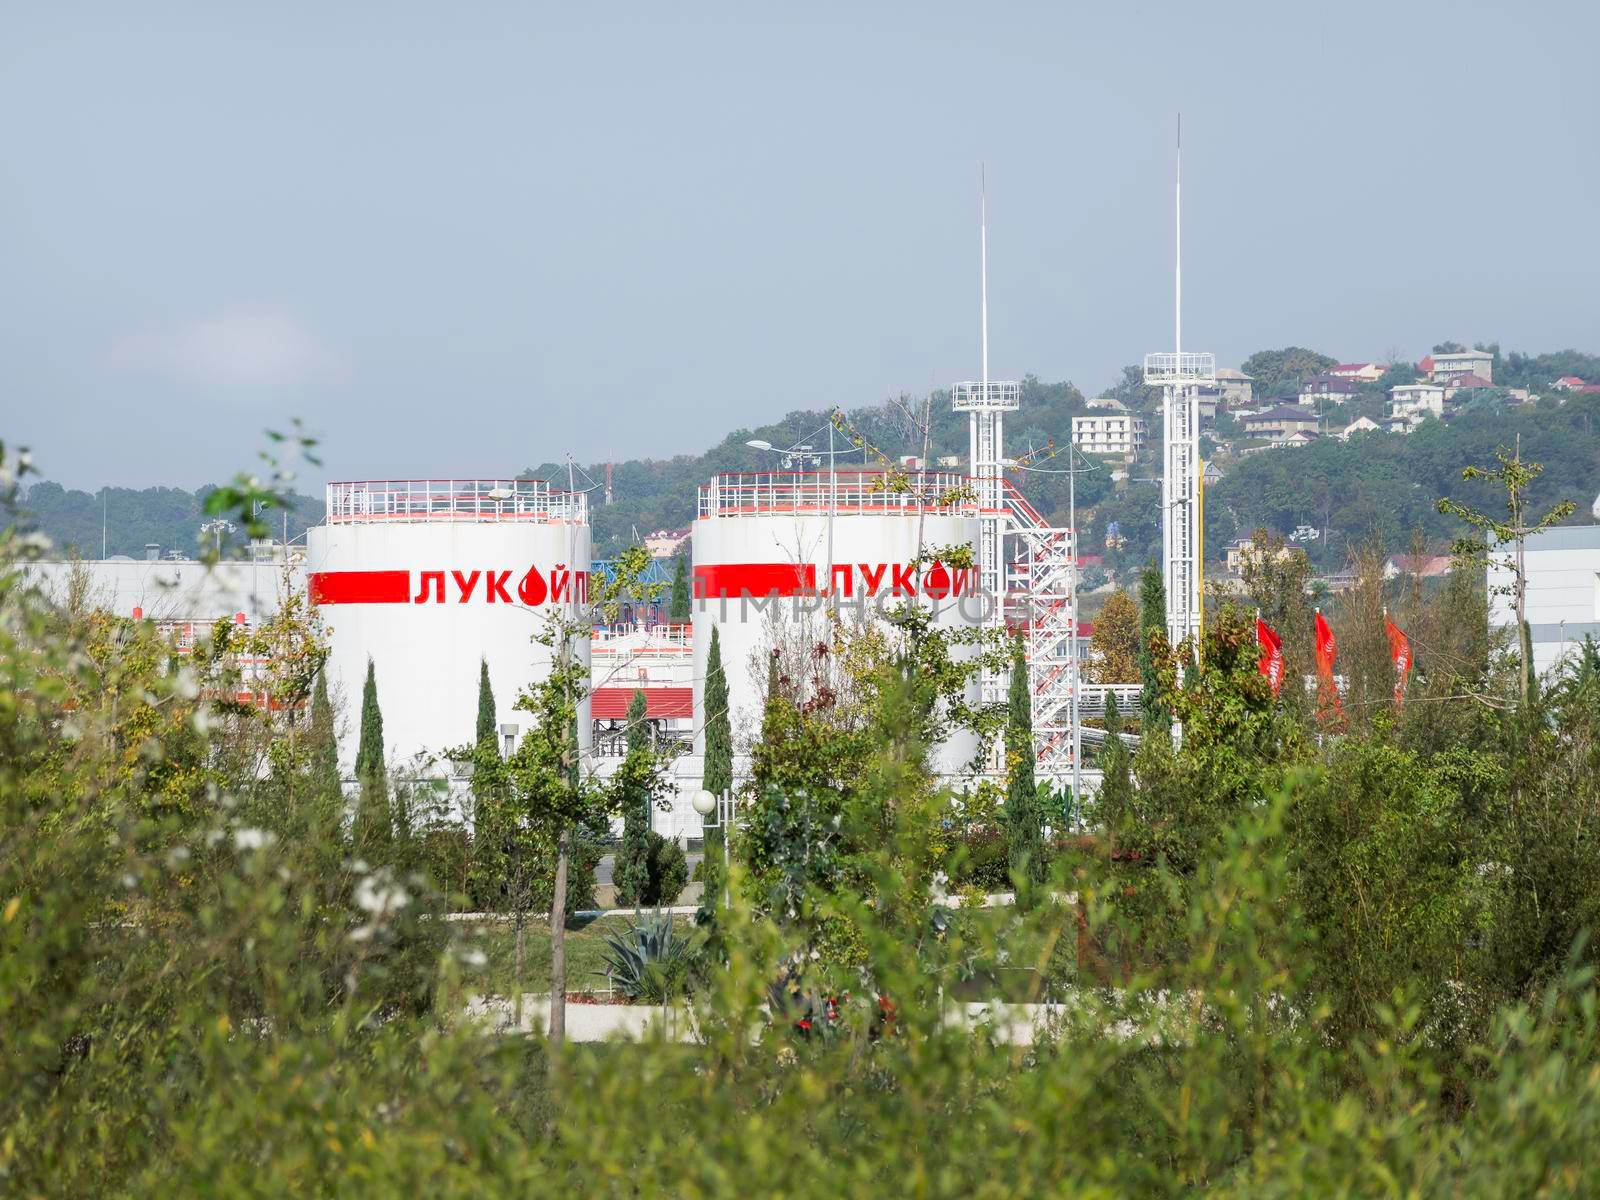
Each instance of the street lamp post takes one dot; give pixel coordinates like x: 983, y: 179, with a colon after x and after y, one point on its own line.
x: 705, y: 803
x: 802, y: 453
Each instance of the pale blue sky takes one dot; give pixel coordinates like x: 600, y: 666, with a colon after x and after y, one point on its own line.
x: 467, y: 238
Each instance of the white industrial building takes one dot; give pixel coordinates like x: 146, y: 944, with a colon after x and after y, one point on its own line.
x: 1110, y: 429
x: 169, y: 590
x: 1563, y: 591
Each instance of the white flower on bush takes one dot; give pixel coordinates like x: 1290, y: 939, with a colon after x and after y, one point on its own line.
x: 378, y: 894
x: 253, y: 839
x: 471, y: 956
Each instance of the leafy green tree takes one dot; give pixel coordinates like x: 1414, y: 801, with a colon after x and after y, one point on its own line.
x: 1282, y: 372
x: 554, y: 807
x: 1515, y: 477
x: 374, y: 828
x: 632, y: 869
x: 1154, y: 717
x: 1116, y: 641
x: 1276, y: 577
x: 1387, y: 867
x: 1024, y: 835
x: 678, y: 606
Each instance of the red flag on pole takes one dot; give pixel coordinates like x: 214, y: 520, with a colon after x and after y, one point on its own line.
x: 1271, y: 664
x: 1400, y: 652
x: 1327, y: 688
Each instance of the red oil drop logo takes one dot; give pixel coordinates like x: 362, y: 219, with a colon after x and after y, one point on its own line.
x: 532, y: 591
x: 936, y: 583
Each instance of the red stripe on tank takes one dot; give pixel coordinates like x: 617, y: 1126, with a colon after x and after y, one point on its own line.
x: 360, y: 587
x: 753, y: 579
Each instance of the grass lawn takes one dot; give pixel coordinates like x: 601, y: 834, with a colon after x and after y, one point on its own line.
x: 586, y: 951
x: 1002, y: 950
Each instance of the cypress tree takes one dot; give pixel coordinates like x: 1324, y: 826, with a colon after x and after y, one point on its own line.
x: 486, y: 753
x: 372, y: 817
x: 678, y: 603
x: 1024, y: 835
x: 1152, y: 618
x: 718, y: 775
x: 486, y: 729
x: 633, y: 856
x: 324, y: 742
x: 491, y: 857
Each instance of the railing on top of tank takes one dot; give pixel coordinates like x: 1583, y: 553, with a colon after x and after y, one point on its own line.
x: 405, y: 500
x: 733, y: 495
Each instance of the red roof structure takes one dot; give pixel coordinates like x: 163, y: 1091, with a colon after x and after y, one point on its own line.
x: 660, y: 703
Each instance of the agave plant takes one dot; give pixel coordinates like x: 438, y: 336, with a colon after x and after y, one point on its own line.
x: 649, y: 962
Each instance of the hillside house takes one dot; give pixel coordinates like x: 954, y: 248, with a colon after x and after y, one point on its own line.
x: 1416, y: 401
x: 1235, y: 386
x: 1445, y: 368
x: 1359, y: 425
x: 1280, y: 422
x: 1567, y: 383
x: 1303, y: 438
x: 1359, y: 372
x: 1327, y: 387
x: 1109, y: 429
x: 1423, y: 566
x: 1464, y: 383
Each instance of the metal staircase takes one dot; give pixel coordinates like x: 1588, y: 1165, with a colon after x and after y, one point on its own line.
x: 1040, y: 583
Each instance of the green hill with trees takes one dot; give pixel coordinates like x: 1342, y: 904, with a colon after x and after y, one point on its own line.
x: 1376, y: 485
x: 130, y: 519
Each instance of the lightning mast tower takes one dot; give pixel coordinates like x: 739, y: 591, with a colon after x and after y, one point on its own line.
x: 987, y: 402
x: 1180, y: 376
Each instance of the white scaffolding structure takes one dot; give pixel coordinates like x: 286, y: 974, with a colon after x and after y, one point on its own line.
x: 1044, y: 574
x: 1033, y: 586
x: 1180, y: 376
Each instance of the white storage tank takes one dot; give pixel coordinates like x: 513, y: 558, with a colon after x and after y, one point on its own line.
x: 770, y: 545
x: 429, y: 576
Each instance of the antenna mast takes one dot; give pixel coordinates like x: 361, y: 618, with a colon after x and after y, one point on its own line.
x: 1180, y: 376
x: 986, y: 402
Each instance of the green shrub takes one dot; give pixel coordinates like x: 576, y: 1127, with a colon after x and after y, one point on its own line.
x: 650, y: 962
x: 981, y: 861
x: 668, y: 871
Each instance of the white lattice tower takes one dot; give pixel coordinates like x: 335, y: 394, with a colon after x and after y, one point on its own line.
x: 1038, y: 590
x: 1180, y: 376
x: 987, y: 403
